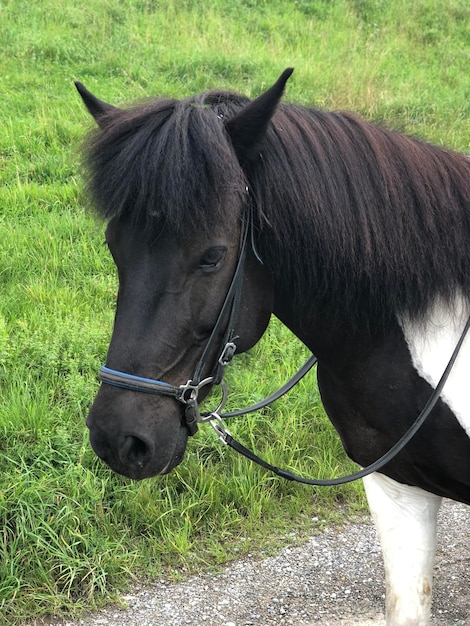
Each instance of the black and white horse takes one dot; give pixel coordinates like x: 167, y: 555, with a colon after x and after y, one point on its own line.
x: 357, y: 238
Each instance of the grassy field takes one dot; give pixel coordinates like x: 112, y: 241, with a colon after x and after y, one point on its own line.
x: 71, y: 533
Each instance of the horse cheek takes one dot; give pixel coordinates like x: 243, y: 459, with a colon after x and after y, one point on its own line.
x: 256, y: 304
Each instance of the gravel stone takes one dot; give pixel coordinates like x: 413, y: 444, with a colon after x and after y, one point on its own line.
x: 335, y: 579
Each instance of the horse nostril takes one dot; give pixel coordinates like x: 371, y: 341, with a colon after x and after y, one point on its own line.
x: 133, y: 451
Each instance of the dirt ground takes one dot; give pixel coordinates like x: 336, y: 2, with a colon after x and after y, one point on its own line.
x: 334, y: 579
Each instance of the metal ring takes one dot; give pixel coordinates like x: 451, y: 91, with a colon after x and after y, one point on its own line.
x: 207, y: 417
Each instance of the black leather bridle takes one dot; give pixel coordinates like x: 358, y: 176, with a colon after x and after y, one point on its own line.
x: 188, y: 393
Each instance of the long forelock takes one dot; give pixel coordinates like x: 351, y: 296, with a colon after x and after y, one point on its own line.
x: 166, y: 164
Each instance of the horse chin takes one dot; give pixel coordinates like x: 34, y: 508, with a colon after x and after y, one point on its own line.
x: 178, y: 453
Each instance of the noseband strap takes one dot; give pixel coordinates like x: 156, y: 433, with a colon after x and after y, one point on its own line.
x: 131, y: 382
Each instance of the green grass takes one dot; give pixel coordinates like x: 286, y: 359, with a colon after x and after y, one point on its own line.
x: 72, y: 533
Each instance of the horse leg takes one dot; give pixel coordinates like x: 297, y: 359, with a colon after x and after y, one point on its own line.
x: 406, y: 521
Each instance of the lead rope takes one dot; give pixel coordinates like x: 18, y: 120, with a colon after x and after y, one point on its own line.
x: 226, y: 437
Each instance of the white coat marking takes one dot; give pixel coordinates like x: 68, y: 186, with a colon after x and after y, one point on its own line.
x: 431, y: 344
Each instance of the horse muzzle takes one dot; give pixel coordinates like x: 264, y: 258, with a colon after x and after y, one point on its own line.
x: 138, y: 441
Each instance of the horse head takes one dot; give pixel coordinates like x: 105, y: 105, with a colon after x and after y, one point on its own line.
x: 175, y: 269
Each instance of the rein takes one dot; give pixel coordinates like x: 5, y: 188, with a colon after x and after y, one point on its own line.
x: 188, y: 393
x: 226, y: 437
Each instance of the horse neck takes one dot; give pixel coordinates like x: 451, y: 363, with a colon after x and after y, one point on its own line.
x: 335, y: 342
x: 320, y: 337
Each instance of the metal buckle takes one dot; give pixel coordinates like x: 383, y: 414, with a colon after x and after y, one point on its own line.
x: 190, y: 392
x: 227, y: 353
x: 218, y: 425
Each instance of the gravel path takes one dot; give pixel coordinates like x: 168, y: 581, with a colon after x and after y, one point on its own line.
x: 334, y: 579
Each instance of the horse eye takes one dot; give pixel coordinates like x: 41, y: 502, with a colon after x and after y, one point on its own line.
x: 212, y: 258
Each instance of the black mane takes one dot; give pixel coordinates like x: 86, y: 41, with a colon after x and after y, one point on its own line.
x: 379, y: 222
x: 369, y: 222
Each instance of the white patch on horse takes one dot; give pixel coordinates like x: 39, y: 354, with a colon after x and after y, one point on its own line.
x: 431, y: 344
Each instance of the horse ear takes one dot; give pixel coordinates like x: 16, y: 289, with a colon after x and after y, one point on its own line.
x: 248, y: 128
x: 98, y: 108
